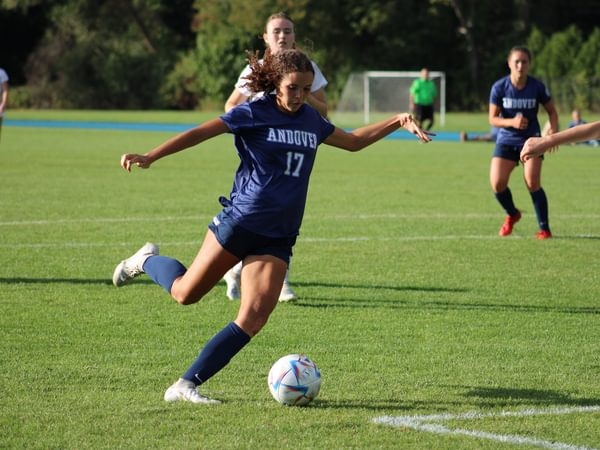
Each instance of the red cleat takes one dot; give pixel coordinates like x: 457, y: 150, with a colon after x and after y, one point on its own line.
x: 543, y: 234
x: 507, y: 226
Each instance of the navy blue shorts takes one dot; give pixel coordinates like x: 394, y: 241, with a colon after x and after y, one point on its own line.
x: 511, y: 152
x: 423, y: 112
x: 241, y: 242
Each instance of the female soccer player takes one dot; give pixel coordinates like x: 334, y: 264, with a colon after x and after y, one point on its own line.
x: 514, y: 103
x: 278, y: 35
x: 535, y: 147
x: 276, y: 138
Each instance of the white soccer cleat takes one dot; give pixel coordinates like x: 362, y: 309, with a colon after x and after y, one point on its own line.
x: 131, y: 267
x: 233, y: 284
x: 287, y: 294
x: 185, y: 391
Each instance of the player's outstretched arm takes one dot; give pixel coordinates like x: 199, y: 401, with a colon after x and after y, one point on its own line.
x: 177, y: 143
x: 536, y: 146
x: 360, y: 138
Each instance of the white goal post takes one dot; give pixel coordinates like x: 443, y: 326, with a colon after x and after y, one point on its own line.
x: 385, y: 92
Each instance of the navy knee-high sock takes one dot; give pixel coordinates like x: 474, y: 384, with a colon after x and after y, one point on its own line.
x: 540, y: 203
x: 505, y: 199
x: 217, y: 352
x: 163, y: 270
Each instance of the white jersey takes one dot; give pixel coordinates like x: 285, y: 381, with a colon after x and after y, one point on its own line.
x: 318, y: 82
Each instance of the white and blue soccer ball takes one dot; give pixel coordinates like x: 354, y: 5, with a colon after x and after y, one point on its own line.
x: 294, y: 380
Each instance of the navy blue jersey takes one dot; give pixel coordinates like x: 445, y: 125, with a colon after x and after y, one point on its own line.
x: 513, y: 101
x: 277, y: 153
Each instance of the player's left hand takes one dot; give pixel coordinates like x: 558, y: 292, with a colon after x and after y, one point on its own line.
x: 129, y: 159
x: 409, y: 124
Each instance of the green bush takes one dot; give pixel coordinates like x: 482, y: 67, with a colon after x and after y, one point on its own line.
x: 20, y: 97
x: 570, y: 67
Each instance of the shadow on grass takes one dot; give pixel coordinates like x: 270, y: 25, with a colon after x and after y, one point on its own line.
x: 376, y: 286
x: 320, y: 302
x: 442, y: 305
x: 101, y: 281
x: 23, y: 280
x: 345, y: 302
x: 476, y: 398
x: 580, y: 236
x: 501, y: 397
x: 385, y: 405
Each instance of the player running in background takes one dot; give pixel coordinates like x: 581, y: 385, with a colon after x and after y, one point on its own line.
x: 278, y: 35
x: 513, y: 108
x: 535, y: 147
x: 276, y: 138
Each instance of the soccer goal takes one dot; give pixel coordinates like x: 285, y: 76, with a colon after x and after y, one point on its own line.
x: 376, y: 93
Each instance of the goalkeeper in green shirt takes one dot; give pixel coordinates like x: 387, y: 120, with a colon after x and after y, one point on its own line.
x: 422, y: 95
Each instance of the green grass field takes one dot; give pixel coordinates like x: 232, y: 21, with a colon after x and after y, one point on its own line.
x: 409, y: 302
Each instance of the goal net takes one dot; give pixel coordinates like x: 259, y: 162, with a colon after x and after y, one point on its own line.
x: 369, y: 96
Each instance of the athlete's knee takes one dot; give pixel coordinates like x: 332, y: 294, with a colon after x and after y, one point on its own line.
x: 184, y: 295
x: 498, y: 186
x: 184, y: 298
x: 254, y: 323
x: 533, y: 185
x: 258, y: 322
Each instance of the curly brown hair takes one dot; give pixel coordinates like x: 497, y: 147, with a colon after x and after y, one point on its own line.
x: 266, y: 75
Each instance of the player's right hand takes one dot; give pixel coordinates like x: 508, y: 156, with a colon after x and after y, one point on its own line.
x: 520, y: 122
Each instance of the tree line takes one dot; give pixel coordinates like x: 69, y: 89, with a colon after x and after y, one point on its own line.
x: 186, y: 54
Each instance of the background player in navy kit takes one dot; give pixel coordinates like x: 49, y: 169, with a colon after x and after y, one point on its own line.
x: 279, y: 34
x: 276, y: 138
x: 577, y: 120
x: 514, y: 103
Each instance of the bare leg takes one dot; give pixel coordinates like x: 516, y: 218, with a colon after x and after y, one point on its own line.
x: 500, y: 171
x: 234, y: 282
x: 262, y: 278
x: 209, y: 266
x: 532, y: 173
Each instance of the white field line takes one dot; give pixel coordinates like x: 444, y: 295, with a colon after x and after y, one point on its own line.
x: 100, y: 220
x: 390, y: 216
x: 302, y: 240
x: 431, y: 424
